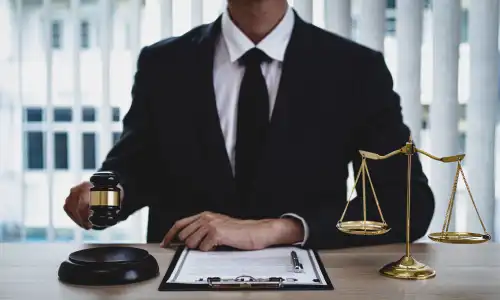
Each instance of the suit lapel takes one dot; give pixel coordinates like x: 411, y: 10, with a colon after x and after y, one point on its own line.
x: 294, y: 84
x: 214, y: 152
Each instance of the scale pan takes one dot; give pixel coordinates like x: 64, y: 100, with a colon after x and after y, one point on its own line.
x: 459, y: 237
x: 363, y: 227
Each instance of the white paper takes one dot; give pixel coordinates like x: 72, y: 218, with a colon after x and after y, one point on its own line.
x: 194, y: 265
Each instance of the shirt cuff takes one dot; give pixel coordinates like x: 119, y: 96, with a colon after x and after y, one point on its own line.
x: 304, y: 225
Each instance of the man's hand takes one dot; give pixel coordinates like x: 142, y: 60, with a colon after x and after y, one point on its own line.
x: 77, y: 204
x: 208, y: 230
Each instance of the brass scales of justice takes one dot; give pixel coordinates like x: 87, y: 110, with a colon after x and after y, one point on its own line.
x: 407, y: 267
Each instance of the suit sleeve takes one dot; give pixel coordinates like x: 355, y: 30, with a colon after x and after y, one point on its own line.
x: 381, y: 130
x: 132, y: 157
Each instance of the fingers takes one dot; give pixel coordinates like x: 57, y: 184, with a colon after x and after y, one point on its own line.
x: 68, y: 204
x: 210, y: 241
x: 178, y: 226
x: 83, y: 210
x: 76, y: 204
x: 189, y: 229
x: 194, y: 240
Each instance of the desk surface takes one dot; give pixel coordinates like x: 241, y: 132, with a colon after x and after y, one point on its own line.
x: 29, y: 271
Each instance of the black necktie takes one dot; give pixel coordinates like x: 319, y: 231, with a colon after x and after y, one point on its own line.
x: 252, y: 120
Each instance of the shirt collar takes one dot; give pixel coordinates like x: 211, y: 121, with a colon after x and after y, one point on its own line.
x: 274, y: 44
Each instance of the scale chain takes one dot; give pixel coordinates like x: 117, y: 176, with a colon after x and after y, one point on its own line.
x: 447, y: 217
x: 364, y: 196
x: 363, y: 162
x: 375, y: 195
x: 471, y: 198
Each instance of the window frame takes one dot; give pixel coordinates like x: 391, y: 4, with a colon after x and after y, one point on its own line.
x: 60, y: 22
x: 67, y: 152
x: 85, y: 35
x: 27, y: 165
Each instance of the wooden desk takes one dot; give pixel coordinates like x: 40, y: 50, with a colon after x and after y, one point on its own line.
x: 29, y: 271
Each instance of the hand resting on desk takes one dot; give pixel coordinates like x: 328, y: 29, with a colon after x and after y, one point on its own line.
x: 208, y: 230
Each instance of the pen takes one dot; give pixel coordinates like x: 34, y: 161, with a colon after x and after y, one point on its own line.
x: 297, y: 266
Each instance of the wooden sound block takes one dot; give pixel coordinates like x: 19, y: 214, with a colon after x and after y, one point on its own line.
x: 108, y: 266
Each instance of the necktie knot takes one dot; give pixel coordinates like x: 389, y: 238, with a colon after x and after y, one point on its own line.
x: 254, y: 57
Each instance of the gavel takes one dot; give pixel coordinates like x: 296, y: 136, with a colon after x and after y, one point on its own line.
x: 105, y: 199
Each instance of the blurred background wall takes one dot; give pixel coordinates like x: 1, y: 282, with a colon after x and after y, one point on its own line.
x: 66, y: 69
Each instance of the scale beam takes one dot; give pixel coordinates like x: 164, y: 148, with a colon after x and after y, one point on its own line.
x: 445, y: 159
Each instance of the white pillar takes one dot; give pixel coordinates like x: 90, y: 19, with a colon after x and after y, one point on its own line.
x: 481, y: 112
x: 76, y: 159
x: 49, y: 113
x: 338, y: 17
x: 20, y: 108
x: 105, y: 113
x: 135, y: 32
x: 304, y: 8
x: 6, y: 11
x: 409, y: 14
x: 444, y: 108
x: 166, y: 18
x: 372, y: 24
x: 76, y: 165
x: 6, y: 16
x: 196, y: 12
x: 7, y: 131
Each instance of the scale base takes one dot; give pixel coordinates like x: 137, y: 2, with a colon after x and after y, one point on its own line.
x: 407, y: 268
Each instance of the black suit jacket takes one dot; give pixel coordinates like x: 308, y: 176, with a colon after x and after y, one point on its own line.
x: 335, y: 98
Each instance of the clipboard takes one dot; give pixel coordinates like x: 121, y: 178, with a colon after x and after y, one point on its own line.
x: 244, y: 282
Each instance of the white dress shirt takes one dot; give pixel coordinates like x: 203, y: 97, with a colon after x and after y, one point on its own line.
x: 228, y: 75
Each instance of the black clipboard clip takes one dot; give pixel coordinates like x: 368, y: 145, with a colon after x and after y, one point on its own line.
x: 245, y: 282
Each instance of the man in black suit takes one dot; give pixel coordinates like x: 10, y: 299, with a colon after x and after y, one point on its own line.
x: 240, y: 133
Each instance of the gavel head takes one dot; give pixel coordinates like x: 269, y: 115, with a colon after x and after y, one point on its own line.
x: 104, y: 199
